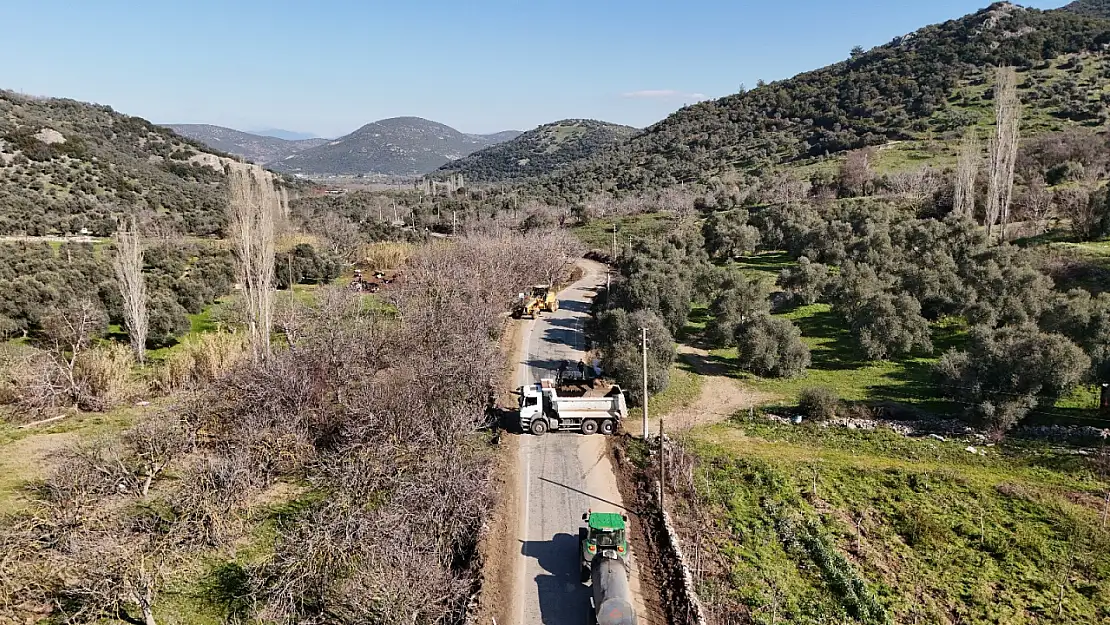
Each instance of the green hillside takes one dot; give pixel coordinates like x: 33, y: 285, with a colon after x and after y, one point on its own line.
x: 540, y: 151
x: 1092, y: 8
x: 67, y: 166
x: 922, y: 86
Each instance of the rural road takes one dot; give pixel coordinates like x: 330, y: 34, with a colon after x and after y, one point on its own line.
x: 562, y: 475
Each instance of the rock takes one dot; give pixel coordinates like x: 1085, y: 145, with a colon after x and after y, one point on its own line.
x: 937, y: 437
x: 971, y: 449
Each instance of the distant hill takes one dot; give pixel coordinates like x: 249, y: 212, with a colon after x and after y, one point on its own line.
x: 253, y: 147
x: 288, y: 135
x: 922, y: 86
x: 67, y: 166
x: 397, y: 146
x: 540, y: 151
x: 1090, y: 8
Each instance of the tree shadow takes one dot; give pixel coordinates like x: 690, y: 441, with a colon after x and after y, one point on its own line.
x: 839, y: 350
x: 562, y: 597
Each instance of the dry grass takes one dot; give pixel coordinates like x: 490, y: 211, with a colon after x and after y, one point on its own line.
x: 199, y: 359
x: 385, y: 256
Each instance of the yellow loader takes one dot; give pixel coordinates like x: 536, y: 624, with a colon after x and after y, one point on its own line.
x: 541, y: 298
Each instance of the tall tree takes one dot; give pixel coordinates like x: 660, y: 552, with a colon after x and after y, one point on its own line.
x: 1003, y: 148
x: 967, y: 167
x: 132, y: 285
x: 253, y: 207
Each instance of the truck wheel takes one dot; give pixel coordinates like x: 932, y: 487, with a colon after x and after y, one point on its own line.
x: 608, y: 427
x: 539, y: 427
x: 589, y: 426
x: 584, y: 575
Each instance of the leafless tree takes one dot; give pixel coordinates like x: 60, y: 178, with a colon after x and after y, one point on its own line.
x: 1003, y: 149
x: 967, y: 169
x: 253, y: 207
x: 855, y: 176
x: 1035, y: 204
x: 132, y: 286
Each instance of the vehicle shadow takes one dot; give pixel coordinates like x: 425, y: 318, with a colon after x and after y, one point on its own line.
x: 563, y: 598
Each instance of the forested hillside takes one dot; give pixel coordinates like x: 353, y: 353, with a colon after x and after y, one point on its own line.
x: 67, y: 165
x: 1092, y: 8
x: 927, y: 84
x: 540, y: 151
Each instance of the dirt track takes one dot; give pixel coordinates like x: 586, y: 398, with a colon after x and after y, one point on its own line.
x: 560, y: 477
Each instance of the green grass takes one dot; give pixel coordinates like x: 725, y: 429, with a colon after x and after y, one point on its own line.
x: 683, y: 390
x: 946, y: 535
x: 838, y: 364
x: 598, y: 234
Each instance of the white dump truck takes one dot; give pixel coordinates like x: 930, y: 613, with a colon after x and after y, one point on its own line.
x: 542, y: 409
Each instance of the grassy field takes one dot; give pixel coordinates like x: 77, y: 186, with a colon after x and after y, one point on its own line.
x: 806, y: 525
x: 598, y: 234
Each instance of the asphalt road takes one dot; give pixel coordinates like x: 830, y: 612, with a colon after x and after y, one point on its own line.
x: 563, y: 475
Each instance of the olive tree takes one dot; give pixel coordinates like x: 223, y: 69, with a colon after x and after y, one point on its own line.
x: 805, y: 282
x: 738, y: 300
x: 728, y: 234
x: 771, y: 346
x: 1005, y: 372
x: 621, y: 354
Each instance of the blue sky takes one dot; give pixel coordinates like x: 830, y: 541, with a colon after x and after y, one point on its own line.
x: 329, y: 66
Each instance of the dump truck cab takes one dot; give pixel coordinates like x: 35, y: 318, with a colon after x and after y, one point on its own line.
x: 605, y: 535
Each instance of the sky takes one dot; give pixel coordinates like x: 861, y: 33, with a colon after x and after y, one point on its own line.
x: 329, y: 66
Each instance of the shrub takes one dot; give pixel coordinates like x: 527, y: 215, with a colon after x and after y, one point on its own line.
x: 167, y: 320
x: 819, y: 403
x: 105, y: 376
x: 201, y: 359
x: 771, y: 346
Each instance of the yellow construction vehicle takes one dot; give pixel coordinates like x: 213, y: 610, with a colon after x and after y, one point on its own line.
x: 541, y: 298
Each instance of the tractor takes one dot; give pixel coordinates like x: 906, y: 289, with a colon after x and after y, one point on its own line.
x: 604, y: 536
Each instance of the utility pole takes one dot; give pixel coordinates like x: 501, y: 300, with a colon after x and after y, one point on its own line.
x: 630, y: 246
x: 644, y: 337
x: 662, y: 467
x: 614, y: 240
x: 452, y: 223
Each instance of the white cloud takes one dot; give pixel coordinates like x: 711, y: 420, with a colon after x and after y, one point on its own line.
x: 663, y: 94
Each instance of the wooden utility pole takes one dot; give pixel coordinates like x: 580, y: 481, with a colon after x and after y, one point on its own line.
x: 662, y: 467
x: 643, y: 332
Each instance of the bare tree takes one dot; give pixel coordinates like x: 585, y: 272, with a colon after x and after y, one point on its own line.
x: 254, y: 205
x: 967, y: 168
x: 1003, y: 149
x: 132, y: 286
x: 1036, y: 204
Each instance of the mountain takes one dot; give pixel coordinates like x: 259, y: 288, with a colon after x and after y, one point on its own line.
x: 1090, y: 8
x: 927, y: 85
x: 540, y: 151
x: 396, y: 146
x: 253, y: 147
x: 288, y: 135
x: 67, y: 166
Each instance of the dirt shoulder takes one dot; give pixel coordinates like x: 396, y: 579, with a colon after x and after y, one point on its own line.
x: 497, y: 601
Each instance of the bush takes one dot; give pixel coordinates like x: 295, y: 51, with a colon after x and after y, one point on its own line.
x: 771, y: 346
x: 167, y: 320
x: 819, y: 403
x: 201, y: 359
x: 105, y: 376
